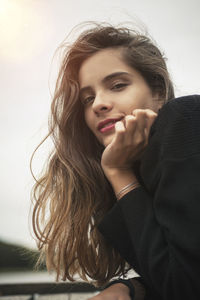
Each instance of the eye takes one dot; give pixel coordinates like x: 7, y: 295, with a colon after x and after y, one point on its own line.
x: 119, y: 86
x: 87, y: 100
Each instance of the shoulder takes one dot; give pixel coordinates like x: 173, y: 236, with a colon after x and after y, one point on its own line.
x: 182, y: 106
x: 178, y: 126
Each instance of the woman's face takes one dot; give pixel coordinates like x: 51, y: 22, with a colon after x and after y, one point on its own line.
x: 110, y: 90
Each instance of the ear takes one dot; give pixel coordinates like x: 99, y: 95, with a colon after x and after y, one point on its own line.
x: 159, y: 102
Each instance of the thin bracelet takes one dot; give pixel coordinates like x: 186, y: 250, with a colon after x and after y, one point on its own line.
x: 127, y: 188
x: 126, y: 282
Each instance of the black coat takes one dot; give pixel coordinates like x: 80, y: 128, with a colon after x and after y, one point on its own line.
x: 156, y: 227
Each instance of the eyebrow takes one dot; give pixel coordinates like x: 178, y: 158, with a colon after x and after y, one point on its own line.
x: 105, y: 79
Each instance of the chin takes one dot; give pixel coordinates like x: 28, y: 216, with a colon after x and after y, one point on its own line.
x: 107, y: 140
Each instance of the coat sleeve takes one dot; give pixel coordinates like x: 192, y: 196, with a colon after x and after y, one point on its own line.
x: 159, y: 235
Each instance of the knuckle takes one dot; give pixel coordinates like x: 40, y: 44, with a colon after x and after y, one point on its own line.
x: 151, y: 113
x: 120, y: 130
x: 151, y: 119
x: 141, y: 140
x: 134, y: 112
x: 119, y: 125
x: 137, y: 111
x: 129, y: 118
x: 140, y: 114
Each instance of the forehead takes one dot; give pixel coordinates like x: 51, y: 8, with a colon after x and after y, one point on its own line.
x: 101, y: 64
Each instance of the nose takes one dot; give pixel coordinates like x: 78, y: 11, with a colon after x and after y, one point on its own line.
x: 102, y: 103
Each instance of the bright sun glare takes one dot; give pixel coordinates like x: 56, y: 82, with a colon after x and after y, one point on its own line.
x: 20, y: 29
x: 4, y: 4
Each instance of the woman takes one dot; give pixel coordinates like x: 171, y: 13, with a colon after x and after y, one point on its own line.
x: 121, y: 186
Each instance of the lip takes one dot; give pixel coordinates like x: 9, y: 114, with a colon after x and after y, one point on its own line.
x: 102, y: 125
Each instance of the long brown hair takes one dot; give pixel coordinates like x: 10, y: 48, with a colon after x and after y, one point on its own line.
x: 73, y: 195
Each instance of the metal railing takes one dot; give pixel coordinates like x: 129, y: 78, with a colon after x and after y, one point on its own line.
x: 45, y: 288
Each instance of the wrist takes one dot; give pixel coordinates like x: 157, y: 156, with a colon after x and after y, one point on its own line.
x: 122, y: 181
x: 113, y: 174
x: 127, y: 188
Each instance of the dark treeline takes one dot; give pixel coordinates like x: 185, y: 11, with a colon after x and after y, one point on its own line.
x: 15, y: 257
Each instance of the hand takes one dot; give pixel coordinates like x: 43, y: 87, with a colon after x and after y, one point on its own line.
x: 130, y: 140
x: 117, y: 291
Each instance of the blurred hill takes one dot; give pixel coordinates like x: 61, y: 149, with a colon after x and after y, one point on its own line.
x: 17, y: 258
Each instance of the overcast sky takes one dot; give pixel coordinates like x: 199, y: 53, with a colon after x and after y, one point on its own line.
x: 30, y: 32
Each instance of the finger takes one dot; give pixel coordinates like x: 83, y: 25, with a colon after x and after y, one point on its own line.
x: 150, y: 118
x: 141, y: 120
x: 130, y: 125
x: 119, y: 133
x: 129, y: 122
x: 120, y: 127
